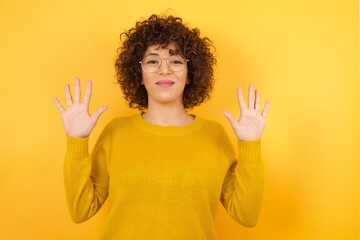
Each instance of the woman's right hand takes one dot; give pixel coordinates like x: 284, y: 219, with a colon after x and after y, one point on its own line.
x: 76, y: 119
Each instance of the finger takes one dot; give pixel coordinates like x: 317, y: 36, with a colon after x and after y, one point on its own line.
x: 257, y: 100
x: 241, y: 101
x: 251, y: 96
x: 88, y: 92
x: 266, y: 109
x: 77, y: 90
x: 230, y: 117
x: 68, y: 95
x: 58, y: 105
x: 98, y: 112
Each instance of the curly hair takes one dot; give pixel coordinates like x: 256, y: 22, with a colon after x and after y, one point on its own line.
x: 161, y: 31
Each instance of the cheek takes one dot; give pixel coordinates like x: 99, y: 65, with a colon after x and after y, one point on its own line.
x: 145, y: 78
x: 183, y: 76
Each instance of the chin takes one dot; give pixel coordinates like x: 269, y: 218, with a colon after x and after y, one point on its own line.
x: 167, y: 100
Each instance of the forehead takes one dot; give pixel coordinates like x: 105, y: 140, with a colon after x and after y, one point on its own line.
x: 170, y: 49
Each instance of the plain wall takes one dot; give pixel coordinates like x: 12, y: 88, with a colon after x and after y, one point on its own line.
x: 303, y: 55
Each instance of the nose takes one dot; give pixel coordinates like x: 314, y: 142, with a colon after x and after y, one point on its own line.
x: 164, y: 67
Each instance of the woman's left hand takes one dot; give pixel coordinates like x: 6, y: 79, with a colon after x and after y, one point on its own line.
x: 251, y: 123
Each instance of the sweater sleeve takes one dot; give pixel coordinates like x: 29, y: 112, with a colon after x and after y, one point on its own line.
x: 243, y: 184
x: 86, y: 176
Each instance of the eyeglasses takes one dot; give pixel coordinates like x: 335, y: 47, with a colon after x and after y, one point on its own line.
x: 151, y: 64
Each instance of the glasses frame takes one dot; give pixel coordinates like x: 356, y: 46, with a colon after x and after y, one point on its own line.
x: 167, y: 62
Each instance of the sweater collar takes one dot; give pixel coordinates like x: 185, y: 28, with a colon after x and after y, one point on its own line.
x: 195, y: 125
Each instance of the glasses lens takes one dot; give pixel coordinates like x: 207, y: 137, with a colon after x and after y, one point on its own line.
x: 176, y: 63
x: 151, y: 63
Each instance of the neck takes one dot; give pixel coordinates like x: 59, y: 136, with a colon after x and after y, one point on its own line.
x: 167, y: 115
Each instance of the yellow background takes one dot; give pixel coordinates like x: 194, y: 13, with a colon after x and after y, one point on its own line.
x: 303, y: 55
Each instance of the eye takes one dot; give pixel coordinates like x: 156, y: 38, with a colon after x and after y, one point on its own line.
x: 152, y: 61
x: 177, y: 61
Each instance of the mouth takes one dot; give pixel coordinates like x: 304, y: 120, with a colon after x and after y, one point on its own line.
x: 165, y: 83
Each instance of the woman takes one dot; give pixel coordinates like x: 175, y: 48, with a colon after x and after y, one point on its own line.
x: 164, y: 171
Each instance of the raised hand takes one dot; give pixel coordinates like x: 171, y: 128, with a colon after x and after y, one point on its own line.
x: 251, y: 123
x: 77, y: 121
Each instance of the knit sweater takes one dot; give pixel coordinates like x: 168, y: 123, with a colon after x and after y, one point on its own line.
x: 163, y: 182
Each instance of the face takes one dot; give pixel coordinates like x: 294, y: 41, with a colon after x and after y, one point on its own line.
x: 166, y: 84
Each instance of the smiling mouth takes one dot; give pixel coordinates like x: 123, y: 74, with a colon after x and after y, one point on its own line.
x: 165, y: 83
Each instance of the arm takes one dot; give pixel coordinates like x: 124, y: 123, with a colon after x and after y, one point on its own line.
x: 243, y: 184
x: 85, y: 178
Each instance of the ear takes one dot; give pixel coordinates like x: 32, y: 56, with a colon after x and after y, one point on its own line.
x: 187, y: 81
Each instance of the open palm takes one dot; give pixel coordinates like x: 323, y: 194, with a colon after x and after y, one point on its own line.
x: 76, y: 119
x: 251, y: 123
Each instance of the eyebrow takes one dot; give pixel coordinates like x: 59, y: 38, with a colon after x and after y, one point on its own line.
x: 152, y: 54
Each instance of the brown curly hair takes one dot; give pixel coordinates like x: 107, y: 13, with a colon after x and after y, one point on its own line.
x: 161, y: 31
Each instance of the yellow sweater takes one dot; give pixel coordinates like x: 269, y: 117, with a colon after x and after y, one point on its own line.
x: 163, y: 182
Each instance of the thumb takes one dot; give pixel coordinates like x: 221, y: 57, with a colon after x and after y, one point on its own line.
x: 98, y: 112
x: 229, y: 117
